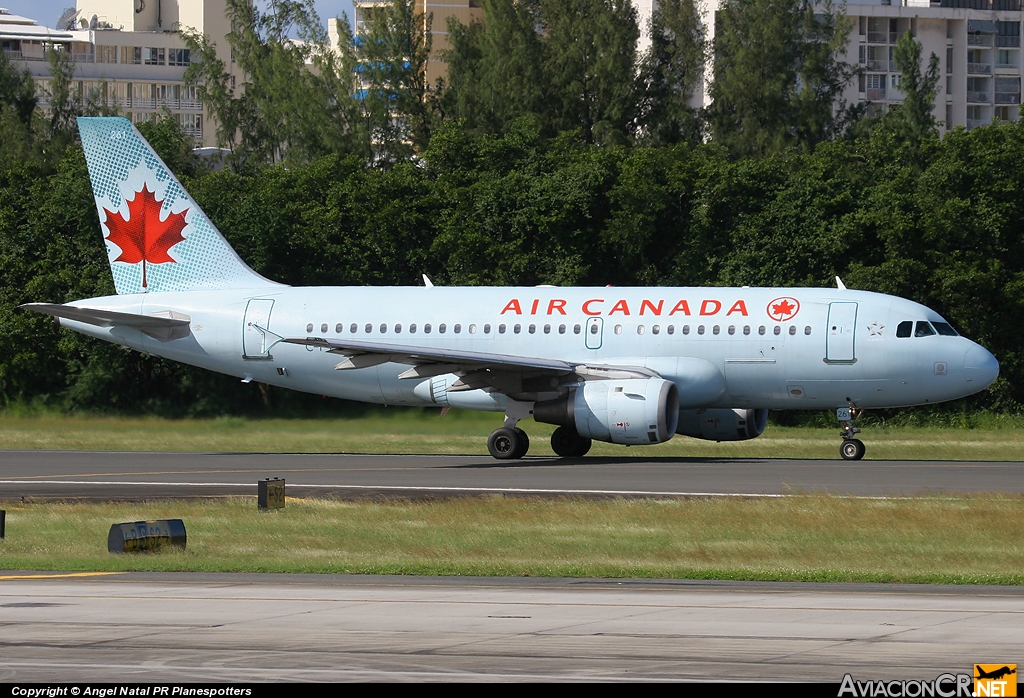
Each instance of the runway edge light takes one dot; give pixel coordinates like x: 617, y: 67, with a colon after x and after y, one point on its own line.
x: 270, y: 493
x: 146, y: 536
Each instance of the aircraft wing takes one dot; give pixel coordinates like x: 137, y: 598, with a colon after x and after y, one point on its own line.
x: 504, y: 372
x: 163, y: 326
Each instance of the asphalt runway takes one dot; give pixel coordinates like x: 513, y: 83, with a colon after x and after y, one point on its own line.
x: 167, y: 627
x: 146, y: 475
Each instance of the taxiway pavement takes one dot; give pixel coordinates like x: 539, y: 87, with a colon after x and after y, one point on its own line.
x: 168, y: 627
x: 146, y: 475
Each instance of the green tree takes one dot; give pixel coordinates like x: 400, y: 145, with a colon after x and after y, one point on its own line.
x: 283, y: 109
x: 496, y: 68
x: 397, y: 104
x: 777, y: 75
x: 913, y: 121
x: 17, y: 91
x: 671, y: 70
x: 591, y: 67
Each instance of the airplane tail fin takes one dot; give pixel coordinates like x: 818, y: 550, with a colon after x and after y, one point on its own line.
x: 158, y: 239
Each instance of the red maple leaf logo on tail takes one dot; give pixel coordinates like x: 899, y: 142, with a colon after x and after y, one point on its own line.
x: 143, y: 237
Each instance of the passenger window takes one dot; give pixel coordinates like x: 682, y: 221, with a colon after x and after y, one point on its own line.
x: 472, y: 329
x: 323, y: 328
x: 746, y: 329
x: 686, y: 329
x: 338, y: 328
x: 412, y: 328
x: 426, y: 328
x: 923, y: 329
x: 904, y: 328
x: 807, y: 330
x: 618, y: 329
x: 383, y: 328
x: 656, y: 329
x: 640, y: 329
x: 715, y: 329
x: 792, y: 330
x: 532, y: 329
x: 778, y: 330
x: 732, y: 329
x: 700, y: 329
x: 547, y: 329
x: 457, y: 329
x: 671, y: 329
x: 501, y: 329
x: 309, y: 328
x: 593, y: 329
x: 442, y: 328
x: 760, y: 330
x: 368, y: 328
x: 945, y: 329
x: 575, y: 329
x: 398, y: 329
x: 487, y: 329
x: 353, y: 328
x: 517, y: 329
x: 561, y: 329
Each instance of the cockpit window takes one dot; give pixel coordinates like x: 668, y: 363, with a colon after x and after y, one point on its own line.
x: 923, y: 329
x: 945, y: 329
x: 904, y: 328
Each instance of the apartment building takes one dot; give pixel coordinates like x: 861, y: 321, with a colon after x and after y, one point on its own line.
x: 127, y: 53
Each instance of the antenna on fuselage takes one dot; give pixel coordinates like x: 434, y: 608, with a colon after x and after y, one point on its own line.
x: 840, y: 285
x: 427, y: 282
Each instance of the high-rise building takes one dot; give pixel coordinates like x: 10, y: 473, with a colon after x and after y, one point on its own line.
x: 127, y: 53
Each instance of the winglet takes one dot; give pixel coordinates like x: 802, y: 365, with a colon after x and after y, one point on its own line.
x: 840, y: 285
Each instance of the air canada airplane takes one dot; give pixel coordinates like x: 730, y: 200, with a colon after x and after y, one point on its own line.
x: 628, y: 366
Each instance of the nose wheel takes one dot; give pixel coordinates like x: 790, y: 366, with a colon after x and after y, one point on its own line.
x: 852, y: 448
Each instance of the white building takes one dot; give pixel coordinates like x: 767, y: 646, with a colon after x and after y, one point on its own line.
x: 128, y: 54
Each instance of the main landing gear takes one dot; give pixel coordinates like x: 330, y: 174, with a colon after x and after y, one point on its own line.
x: 852, y: 448
x: 510, y: 442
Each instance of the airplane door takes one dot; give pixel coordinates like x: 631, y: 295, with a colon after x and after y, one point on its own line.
x: 255, y: 342
x: 595, y: 333
x: 842, y: 324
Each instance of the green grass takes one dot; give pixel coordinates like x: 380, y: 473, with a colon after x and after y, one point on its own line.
x: 421, y: 431
x: 963, y: 540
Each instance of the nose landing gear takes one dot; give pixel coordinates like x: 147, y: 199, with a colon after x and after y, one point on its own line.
x: 852, y: 448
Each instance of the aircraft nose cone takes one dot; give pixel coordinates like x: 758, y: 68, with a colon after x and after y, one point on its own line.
x: 980, y: 368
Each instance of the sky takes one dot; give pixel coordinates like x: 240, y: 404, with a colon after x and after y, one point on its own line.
x: 46, y: 12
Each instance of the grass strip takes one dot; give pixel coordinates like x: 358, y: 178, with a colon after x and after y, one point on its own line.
x: 960, y: 540
x: 420, y: 431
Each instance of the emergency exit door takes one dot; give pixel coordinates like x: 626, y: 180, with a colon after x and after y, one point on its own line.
x: 842, y: 328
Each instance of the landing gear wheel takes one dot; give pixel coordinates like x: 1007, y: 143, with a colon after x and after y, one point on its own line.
x: 852, y: 449
x: 508, y: 444
x: 567, y: 443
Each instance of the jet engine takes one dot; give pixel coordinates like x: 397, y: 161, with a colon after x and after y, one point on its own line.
x: 632, y: 411
x: 722, y: 424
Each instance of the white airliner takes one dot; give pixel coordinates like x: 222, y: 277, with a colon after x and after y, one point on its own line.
x: 624, y: 365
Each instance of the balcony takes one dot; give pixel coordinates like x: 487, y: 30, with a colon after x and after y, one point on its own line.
x: 875, y: 94
x: 974, y: 123
x: 878, y: 37
x: 977, y: 97
x: 193, y: 105
x: 877, y: 65
x: 979, y: 68
x: 1007, y: 98
x: 1008, y: 41
x: 83, y: 57
x: 13, y: 55
x: 979, y: 39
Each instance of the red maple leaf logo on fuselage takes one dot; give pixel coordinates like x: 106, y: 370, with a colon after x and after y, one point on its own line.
x: 143, y: 237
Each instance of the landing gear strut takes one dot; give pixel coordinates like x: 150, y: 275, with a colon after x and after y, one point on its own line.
x: 852, y: 448
x: 510, y: 442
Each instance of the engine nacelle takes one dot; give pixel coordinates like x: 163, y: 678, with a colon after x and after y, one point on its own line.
x: 633, y: 411
x: 722, y: 424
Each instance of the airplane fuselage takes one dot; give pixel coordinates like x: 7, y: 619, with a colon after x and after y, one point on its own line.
x: 786, y: 348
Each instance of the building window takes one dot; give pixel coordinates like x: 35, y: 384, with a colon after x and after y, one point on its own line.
x: 106, y: 54
x: 153, y: 56
x: 178, y: 56
x: 131, y: 55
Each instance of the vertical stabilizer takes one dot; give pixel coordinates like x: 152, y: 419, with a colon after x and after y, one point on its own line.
x: 158, y: 239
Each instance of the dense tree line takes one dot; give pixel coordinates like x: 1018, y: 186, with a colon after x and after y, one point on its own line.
x: 592, y: 170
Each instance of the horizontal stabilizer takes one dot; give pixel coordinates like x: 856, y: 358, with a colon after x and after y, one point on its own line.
x: 163, y: 326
